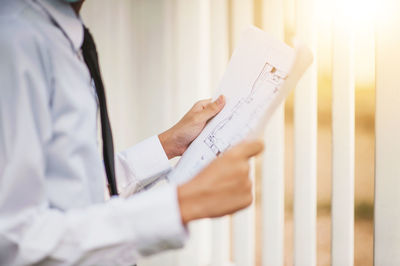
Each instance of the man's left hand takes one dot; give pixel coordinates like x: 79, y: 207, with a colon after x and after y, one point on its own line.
x: 176, y: 140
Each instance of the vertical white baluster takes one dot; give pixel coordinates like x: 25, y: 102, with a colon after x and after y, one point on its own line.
x: 167, y: 91
x: 272, y: 194
x: 305, y: 141
x: 193, y: 84
x: 387, y: 126
x: 342, y: 140
x: 169, y: 51
x: 243, y: 224
x: 244, y: 221
x: 192, y: 51
x: 126, y: 127
x: 151, y: 93
x: 242, y: 12
x: 220, y: 246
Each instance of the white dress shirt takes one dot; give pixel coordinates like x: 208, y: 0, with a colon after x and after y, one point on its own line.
x: 52, y: 179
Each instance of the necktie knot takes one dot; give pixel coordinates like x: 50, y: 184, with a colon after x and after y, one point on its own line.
x: 88, y: 44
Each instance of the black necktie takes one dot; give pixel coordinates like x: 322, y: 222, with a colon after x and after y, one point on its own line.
x: 92, y: 62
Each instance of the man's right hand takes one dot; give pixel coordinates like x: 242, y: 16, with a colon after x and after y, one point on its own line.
x: 223, y: 187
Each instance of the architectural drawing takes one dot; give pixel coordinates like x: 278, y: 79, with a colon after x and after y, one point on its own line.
x: 259, y: 76
x: 266, y: 84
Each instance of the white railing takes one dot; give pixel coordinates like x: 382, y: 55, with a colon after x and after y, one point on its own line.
x: 343, y: 83
x: 160, y: 56
x: 387, y: 155
x: 305, y: 145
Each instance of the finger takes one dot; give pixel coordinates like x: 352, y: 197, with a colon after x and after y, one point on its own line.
x: 248, y: 149
x: 213, y: 108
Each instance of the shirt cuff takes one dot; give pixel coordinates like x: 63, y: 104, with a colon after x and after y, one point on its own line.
x: 143, y: 163
x: 163, y: 222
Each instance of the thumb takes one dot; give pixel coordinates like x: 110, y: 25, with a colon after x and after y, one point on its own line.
x: 248, y: 149
x: 213, y: 108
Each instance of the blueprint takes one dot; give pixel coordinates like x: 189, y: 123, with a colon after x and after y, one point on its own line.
x: 259, y: 76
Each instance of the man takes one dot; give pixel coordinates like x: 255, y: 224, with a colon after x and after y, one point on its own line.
x: 52, y: 180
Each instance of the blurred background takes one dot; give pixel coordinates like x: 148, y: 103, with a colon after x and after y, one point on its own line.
x: 362, y: 13
x: 160, y: 56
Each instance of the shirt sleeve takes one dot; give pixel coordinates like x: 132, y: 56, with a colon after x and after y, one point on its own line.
x: 140, y: 166
x: 31, y: 232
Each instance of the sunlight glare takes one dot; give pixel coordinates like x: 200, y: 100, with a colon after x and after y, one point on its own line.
x: 361, y: 12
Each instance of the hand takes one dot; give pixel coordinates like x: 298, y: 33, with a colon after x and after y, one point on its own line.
x: 222, y: 188
x: 176, y: 139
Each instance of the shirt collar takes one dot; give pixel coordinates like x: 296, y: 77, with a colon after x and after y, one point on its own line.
x: 62, y: 14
